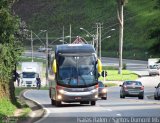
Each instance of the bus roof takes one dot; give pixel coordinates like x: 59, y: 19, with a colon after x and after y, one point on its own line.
x: 75, y: 48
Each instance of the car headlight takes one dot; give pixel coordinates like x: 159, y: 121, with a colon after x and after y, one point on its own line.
x: 59, y: 97
x: 104, y: 90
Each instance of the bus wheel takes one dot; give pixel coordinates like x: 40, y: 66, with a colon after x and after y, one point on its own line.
x: 93, y: 102
x: 57, y: 103
x: 52, y: 102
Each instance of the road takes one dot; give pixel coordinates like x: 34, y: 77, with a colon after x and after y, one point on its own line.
x: 113, y: 107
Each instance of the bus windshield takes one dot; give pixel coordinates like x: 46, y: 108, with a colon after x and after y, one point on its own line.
x: 76, y: 71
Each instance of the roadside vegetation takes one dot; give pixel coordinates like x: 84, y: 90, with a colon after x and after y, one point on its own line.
x: 19, y: 109
x: 10, y: 52
x: 6, y: 107
x: 126, y: 75
x: 113, y: 78
x: 141, y: 23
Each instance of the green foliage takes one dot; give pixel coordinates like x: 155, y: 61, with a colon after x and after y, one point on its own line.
x: 155, y: 34
x: 6, y: 107
x: 10, y: 49
x: 139, y: 15
x: 157, y: 6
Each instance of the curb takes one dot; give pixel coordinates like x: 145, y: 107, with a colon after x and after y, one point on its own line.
x: 139, y: 76
x: 38, y: 111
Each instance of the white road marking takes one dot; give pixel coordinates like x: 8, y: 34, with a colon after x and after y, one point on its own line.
x: 109, y: 109
x: 118, y: 114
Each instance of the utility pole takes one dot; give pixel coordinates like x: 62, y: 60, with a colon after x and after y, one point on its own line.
x: 121, y: 24
x: 70, y: 33
x: 63, y: 35
x: 46, y: 58
x: 32, y: 44
x: 100, y: 41
x: 97, y: 37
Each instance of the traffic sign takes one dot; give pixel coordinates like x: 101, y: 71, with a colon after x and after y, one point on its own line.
x: 104, y: 73
x: 78, y: 41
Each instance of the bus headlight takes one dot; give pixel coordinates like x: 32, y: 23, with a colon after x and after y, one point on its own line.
x: 96, y: 96
x: 94, y: 90
x: 61, y: 91
x: 59, y: 97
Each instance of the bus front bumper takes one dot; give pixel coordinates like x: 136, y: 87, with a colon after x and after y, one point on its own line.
x: 77, y: 96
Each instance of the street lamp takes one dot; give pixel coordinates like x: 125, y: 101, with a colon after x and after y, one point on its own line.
x: 109, y: 31
x: 100, y: 47
x: 63, y: 41
x: 107, y: 37
x: 31, y: 38
x: 91, y: 35
x: 46, y: 55
x: 60, y: 39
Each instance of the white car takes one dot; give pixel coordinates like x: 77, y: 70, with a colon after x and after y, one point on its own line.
x: 154, y: 70
x: 43, y: 49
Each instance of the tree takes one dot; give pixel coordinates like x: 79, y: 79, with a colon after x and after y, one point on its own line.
x: 120, y: 15
x: 155, y: 34
x: 157, y: 6
x: 9, y: 43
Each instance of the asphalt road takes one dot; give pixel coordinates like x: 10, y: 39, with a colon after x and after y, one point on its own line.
x: 112, y: 107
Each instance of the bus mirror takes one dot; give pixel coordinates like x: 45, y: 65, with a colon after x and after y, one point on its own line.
x: 99, y: 66
x: 54, y: 66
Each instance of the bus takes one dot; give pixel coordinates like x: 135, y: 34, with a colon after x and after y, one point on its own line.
x: 73, y: 74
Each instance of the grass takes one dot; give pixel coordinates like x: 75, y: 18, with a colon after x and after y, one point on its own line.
x: 18, y: 90
x: 25, y: 110
x: 114, y: 76
x: 109, y: 68
x: 6, y: 107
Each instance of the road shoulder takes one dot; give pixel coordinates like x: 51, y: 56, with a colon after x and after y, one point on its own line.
x: 37, y: 110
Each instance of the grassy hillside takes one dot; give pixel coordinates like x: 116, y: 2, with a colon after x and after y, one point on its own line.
x: 140, y: 18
